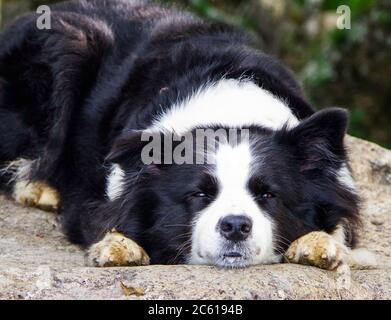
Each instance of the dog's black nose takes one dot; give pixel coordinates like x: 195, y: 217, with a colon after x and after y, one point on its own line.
x: 235, y: 228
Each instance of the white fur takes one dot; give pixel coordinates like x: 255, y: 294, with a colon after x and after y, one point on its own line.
x: 358, y: 258
x: 345, y: 178
x: 19, y: 169
x: 20, y: 172
x: 115, y: 182
x: 233, y: 167
x: 230, y: 103
x: 339, y: 234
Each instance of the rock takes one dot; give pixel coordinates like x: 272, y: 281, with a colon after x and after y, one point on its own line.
x: 36, y: 261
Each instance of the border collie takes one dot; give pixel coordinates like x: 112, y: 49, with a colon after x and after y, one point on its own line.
x: 75, y: 101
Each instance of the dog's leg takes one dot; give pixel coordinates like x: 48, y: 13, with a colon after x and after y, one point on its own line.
x: 116, y: 250
x: 319, y: 249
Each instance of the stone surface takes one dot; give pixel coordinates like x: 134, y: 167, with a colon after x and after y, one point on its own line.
x: 36, y: 262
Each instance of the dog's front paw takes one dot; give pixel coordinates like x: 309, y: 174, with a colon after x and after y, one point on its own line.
x: 318, y: 249
x: 116, y: 250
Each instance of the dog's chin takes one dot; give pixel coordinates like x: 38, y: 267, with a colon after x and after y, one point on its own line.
x: 226, y: 259
x: 233, y: 260
x: 225, y: 262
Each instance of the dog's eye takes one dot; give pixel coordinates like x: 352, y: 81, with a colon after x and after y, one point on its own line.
x: 199, y: 195
x: 267, y: 195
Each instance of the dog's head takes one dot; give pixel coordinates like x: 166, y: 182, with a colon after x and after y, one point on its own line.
x: 244, y: 205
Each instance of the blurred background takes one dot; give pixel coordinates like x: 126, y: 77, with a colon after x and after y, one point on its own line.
x: 350, y: 68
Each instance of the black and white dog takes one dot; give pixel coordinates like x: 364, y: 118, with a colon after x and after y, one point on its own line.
x: 76, y: 99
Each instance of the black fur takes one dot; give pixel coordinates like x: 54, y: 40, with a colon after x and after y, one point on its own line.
x: 69, y: 94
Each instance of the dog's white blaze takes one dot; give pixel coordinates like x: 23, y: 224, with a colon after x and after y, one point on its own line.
x: 115, y: 182
x: 233, y: 167
x: 230, y: 103
x: 345, y: 178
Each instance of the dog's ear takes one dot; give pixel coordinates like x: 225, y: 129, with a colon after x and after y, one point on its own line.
x: 327, y: 127
x: 318, y: 141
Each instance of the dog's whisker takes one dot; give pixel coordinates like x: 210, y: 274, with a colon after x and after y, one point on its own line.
x: 183, y: 235
x: 181, y: 249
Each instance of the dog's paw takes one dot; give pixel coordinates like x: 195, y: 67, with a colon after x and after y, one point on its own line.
x: 36, y: 194
x: 116, y: 250
x: 318, y: 249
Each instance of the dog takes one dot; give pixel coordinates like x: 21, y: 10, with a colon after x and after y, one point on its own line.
x: 77, y: 100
